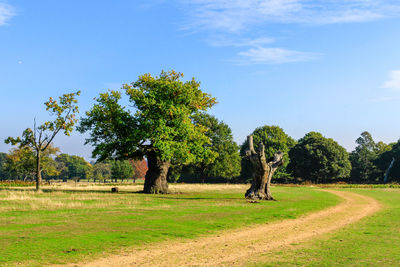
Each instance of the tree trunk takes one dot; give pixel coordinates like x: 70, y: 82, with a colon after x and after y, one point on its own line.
x: 38, y: 171
x: 385, y: 178
x: 156, y: 176
x: 262, y: 171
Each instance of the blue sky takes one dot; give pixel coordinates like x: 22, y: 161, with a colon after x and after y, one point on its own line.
x: 327, y: 66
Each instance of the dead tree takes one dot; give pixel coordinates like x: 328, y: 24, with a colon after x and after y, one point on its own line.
x: 262, y: 171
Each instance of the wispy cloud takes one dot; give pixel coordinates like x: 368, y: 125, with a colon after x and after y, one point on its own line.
x: 238, y: 42
x: 393, y: 82
x: 237, y: 15
x: 238, y: 19
x: 6, y: 13
x: 268, y: 55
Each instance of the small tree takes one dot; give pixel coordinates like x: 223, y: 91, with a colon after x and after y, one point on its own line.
x: 121, y: 169
x: 140, y: 168
x: 40, y: 137
x: 101, y: 171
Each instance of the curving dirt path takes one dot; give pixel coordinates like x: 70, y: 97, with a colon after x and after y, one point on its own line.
x: 232, y: 248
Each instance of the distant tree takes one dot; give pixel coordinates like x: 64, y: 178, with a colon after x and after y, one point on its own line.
x: 74, y: 167
x: 227, y: 163
x: 140, y: 168
x: 4, y: 175
x: 101, y: 171
x: 161, y: 129
x: 274, y: 139
x: 363, y: 159
x: 384, y: 161
x: 40, y: 138
x: 319, y: 159
x: 121, y: 169
x: 21, y: 162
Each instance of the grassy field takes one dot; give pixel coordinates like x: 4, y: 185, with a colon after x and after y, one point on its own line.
x: 68, y: 224
x: 374, y: 241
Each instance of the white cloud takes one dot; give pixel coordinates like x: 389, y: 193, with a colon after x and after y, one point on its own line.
x: 6, y: 13
x: 268, y: 55
x: 393, y: 82
x: 224, y: 41
x: 237, y: 15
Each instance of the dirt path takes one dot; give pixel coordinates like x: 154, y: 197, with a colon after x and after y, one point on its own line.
x: 232, y: 248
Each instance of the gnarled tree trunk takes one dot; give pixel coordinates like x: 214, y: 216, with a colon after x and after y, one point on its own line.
x: 156, y: 176
x: 262, y: 171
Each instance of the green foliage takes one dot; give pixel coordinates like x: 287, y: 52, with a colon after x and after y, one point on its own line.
x: 161, y: 122
x: 226, y: 164
x: 121, y: 169
x: 73, y: 167
x: 319, y: 159
x: 274, y: 139
x: 363, y: 159
x: 102, y: 171
x: 39, y: 139
x: 20, y: 163
x: 4, y: 174
x: 384, y: 159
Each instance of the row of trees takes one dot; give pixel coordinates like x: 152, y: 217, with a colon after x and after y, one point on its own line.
x: 313, y: 158
x: 166, y: 123
x: 20, y: 164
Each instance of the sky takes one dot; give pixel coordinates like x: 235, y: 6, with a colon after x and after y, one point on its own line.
x: 330, y: 66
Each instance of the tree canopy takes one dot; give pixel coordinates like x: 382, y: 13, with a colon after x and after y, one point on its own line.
x: 226, y: 164
x: 121, y: 169
x: 363, y: 159
x: 160, y: 127
x: 319, y: 159
x: 73, y: 167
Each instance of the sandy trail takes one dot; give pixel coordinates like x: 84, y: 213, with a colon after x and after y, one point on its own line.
x: 233, y: 248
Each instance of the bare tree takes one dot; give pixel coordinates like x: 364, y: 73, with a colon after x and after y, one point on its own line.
x: 263, y: 170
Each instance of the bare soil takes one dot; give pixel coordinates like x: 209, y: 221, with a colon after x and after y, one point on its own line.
x: 238, y: 247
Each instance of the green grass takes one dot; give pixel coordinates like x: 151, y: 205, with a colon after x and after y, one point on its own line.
x: 374, y: 241
x: 71, y: 225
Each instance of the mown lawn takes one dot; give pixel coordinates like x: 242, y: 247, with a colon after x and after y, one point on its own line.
x: 69, y: 225
x: 374, y: 241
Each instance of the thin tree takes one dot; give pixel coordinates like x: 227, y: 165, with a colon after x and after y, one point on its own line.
x: 40, y: 137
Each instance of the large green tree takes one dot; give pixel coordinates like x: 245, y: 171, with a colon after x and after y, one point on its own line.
x: 274, y: 139
x: 227, y: 163
x: 319, y: 159
x: 40, y: 137
x: 160, y: 127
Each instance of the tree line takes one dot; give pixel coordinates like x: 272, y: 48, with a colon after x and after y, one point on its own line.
x: 166, y: 122
x: 20, y: 164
